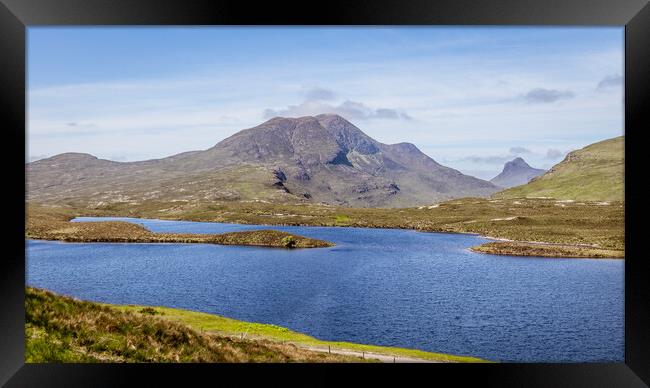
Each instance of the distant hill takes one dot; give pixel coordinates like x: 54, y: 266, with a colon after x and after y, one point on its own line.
x: 515, y: 173
x: 595, y: 172
x: 308, y: 159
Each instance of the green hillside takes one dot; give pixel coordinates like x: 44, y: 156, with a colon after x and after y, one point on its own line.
x: 63, y: 329
x: 593, y: 173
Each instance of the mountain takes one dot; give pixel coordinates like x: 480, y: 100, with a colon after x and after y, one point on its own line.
x: 595, y: 172
x: 515, y: 173
x: 308, y: 159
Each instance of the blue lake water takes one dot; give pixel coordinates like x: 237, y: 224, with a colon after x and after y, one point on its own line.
x: 377, y: 286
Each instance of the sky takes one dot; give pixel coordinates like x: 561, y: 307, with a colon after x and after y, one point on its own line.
x: 470, y: 98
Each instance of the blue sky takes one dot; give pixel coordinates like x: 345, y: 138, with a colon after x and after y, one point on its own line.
x: 471, y: 98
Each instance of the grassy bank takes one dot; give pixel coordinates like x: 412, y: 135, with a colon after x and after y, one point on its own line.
x: 62, y: 329
x: 53, y: 224
x: 231, y: 327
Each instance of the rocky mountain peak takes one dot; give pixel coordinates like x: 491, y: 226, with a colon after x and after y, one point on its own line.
x: 347, y: 135
x: 516, y: 172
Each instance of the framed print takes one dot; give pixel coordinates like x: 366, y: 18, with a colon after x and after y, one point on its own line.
x: 376, y: 188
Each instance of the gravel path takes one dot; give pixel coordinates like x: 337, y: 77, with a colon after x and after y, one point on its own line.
x: 376, y: 356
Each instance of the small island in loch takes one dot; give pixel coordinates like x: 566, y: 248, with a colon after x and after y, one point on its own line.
x: 49, y: 224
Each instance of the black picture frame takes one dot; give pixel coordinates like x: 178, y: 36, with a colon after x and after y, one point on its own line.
x: 17, y: 15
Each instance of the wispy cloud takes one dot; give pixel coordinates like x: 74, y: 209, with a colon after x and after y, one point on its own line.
x: 554, y: 154
x: 351, y: 110
x: 545, y: 96
x: 610, y: 82
x: 513, y: 152
x: 319, y: 94
x: 490, y: 159
x: 519, y: 150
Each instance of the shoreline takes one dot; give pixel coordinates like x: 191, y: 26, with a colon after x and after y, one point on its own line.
x: 485, y: 248
x: 180, y: 241
x: 543, y: 250
x: 220, y: 327
x: 583, y: 228
x: 213, y: 323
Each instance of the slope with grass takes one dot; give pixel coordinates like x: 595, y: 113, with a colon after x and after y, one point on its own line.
x: 63, y: 329
x: 231, y: 327
x: 593, y: 173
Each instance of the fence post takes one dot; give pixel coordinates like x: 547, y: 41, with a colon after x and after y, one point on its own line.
x: 364, y: 354
x: 393, y: 360
x: 329, y: 349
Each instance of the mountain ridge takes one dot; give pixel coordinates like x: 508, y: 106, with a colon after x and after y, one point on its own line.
x: 322, y: 158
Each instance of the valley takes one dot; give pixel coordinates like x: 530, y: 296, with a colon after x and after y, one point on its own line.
x: 324, y: 171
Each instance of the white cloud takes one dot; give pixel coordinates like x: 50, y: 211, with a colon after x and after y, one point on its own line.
x: 351, y: 110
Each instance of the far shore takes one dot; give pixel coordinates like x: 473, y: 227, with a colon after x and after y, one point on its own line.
x: 521, y: 226
x: 501, y: 246
x: 507, y: 247
x: 536, y: 249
